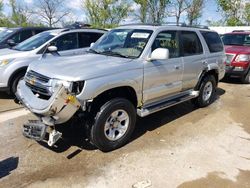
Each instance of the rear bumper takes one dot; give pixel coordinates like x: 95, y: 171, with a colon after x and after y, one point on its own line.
x: 58, y: 109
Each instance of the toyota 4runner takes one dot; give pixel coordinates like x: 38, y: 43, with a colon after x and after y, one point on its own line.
x: 132, y: 70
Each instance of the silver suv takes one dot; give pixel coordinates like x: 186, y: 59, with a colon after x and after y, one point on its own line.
x: 132, y: 70
x: 14, y: 62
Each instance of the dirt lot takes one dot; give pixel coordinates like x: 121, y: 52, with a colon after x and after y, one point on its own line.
x: 179, y: 147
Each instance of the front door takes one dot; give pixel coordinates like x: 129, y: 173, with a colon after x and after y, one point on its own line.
x: 163, y: 78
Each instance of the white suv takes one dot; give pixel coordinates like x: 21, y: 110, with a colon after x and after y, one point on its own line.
x: 14, y: 62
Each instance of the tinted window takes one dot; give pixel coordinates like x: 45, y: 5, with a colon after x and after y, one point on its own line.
x: 191, y: 44
x: 213, y: 41
x: 16, y: 38
x: 66, y: 42
x: 169, y: 40
x: 85, y: 39
x: 21, y: 36
x: 36, y: 31
x: 238, y: 39
x: 25, y: 35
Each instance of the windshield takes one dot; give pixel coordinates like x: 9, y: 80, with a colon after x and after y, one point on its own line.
x: 5, y: 33
x: 236, y: 39
x: 34, y: 42
x: 127, y: 43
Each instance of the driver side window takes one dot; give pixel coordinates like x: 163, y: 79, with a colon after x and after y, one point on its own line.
x: 168, y: 40
x: 66, y: 42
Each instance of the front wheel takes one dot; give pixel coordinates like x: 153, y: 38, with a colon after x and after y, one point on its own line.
x: 17, y: 78
x: 207, y: 92
x: 246, y: 78
x: 113, y: 124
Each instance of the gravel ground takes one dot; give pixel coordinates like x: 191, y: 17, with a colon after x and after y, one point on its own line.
x: 179, y: 147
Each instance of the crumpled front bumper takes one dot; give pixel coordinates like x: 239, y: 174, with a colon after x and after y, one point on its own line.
x: 57, y: 110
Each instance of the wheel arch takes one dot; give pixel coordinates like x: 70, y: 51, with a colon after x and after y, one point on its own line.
x: 16, y: 72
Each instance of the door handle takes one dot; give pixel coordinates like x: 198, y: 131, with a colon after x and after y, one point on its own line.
x: 177, y: 67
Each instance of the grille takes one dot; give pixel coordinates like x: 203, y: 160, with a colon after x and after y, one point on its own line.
x: 229, y: 58
x: 38, y: 83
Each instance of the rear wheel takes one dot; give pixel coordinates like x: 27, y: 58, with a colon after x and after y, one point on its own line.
x: 16, y: 79
x: 113, y: 124
x: 207, y: 92
x: 246, y: 79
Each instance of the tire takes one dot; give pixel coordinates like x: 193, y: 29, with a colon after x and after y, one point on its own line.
x: 246, y: 79
x: 15, y: 81
x: 207, y: 92
x: 109, y: 131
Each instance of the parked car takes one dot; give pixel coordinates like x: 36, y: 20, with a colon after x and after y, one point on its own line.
x: 237, y: 45
x: 14, y: 62
x: 13, y: 36
x: 132, y: 70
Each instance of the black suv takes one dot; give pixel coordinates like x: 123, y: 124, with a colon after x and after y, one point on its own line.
x: 13, y: 36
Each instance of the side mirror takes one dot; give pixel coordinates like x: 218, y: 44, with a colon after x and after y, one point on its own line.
x: 92, y: 44
x: 52, y: 49
x: 11, y: 42
x: 159, y: 54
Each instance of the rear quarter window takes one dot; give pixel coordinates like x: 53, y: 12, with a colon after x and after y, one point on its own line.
x: 213, y: 41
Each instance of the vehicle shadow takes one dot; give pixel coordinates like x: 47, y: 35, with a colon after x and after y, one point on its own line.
x: 8, y: 165
x: 73, y: 134
x: 166, y: 116
x: 231, y: 80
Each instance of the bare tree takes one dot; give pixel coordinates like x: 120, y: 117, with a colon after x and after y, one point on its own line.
x: 157, y: 10
x: 51, y: 11
x: 179, y: 7
x: 195, y: 11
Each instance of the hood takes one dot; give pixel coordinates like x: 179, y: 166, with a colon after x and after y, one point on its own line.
x: 11, y: 54
x: 82, y: 67
x: 237, y: 49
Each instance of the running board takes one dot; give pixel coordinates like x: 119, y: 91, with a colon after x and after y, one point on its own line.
x: 166, y: 104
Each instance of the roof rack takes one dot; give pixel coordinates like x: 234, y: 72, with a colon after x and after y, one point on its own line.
x: 168, y: 24
x: 142, y: 24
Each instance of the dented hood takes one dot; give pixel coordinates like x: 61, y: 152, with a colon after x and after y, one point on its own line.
x: 82, y: 67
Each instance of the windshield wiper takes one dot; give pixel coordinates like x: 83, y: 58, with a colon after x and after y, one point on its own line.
x: 112, y: 53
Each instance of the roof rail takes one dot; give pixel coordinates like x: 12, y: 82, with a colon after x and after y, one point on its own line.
x: 142, y: 24
x: 182, y: 24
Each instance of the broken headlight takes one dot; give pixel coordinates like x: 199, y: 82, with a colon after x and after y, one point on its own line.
x: 72, y: 87
x: 55, y: 84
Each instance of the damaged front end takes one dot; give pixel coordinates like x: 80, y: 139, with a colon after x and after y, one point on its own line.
x: 57, y: 109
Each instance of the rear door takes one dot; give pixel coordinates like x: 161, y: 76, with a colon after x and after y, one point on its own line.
x: 194, y: 58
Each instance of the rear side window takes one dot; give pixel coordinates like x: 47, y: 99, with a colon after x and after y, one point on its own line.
x: 85, y: 39
x: 213, y: 41
x: 190, y: 43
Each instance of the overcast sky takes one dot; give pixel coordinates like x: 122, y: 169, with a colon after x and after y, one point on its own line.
x: 209, y: 12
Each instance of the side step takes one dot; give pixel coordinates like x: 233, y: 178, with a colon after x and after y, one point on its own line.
x: 167, y: 103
